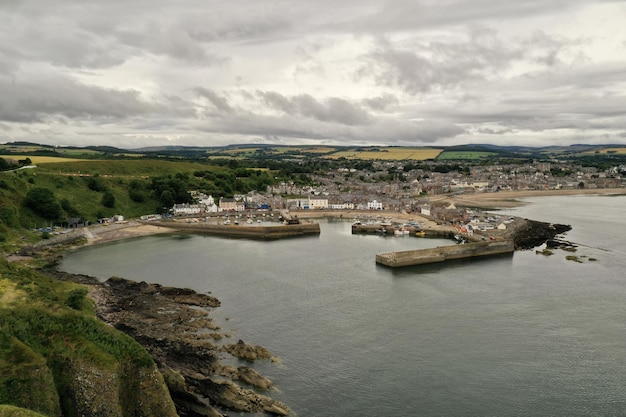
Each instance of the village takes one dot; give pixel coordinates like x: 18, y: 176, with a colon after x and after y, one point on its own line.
x: 390, y: 187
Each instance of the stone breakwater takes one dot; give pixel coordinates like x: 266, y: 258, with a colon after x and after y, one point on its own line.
x: 444, y: 253
x: 174, y: 326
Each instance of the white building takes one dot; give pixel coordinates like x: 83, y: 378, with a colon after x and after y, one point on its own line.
x: 374, y: 205
x: 187, y: 209
x: 318, y: 202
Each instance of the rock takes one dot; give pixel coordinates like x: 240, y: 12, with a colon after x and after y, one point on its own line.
x: 245, y: 351
x: 252, y: 377
x: 241, y: 399
x: 174, y: 326
x: 528, y: 234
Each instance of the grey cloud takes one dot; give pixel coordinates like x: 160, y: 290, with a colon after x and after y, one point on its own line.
x: 491, y: 131
x: 436, y: 65
x: 30, y: 101
x: 402, y: 15
x: 331, y: 110
x: 423, y: 67
x: 219, y: 102
x: 382, y: 102
x: 297, y: 126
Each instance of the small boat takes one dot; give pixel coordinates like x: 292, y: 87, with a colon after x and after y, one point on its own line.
x: 227, y: 222
x: 421, y: 233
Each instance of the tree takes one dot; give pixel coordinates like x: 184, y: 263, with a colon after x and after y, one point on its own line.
x: 166, y: 199
x: 42, y: 201
x: 108, y: 199
x: 4, y: 165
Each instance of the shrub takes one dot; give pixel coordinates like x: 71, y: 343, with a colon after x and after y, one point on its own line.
x: 42, y: 201
x: 108, y: 199
x: 75, y: 298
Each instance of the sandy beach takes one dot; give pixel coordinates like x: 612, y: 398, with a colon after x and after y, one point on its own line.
x: 507, y: 199
x: 98, y: 234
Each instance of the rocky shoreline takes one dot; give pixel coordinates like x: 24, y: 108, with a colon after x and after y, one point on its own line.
x: 174, y: 326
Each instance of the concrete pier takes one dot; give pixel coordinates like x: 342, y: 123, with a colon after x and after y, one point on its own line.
x: 444, y: 253
x: 389, y: 230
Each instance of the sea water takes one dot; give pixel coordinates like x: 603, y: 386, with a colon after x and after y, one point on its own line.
x: 520, y: 335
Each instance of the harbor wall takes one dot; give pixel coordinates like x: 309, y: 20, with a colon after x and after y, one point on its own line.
x: 252, y: 232
x: 414, y: 231
x: 444, y: 253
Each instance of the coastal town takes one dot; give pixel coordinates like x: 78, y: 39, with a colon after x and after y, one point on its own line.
x: 443, y: 192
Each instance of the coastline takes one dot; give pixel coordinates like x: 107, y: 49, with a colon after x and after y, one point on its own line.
x: 100, y: 234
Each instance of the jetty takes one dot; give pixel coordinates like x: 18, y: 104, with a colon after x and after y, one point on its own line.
x: 389, y: 229
x: 445, y: 253
x: 242, y: 231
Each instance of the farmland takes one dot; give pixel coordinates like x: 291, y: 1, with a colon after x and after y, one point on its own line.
x: 465, y: 155
x: 621, y: 151
x: 387, y: 153
x: 38, y: 160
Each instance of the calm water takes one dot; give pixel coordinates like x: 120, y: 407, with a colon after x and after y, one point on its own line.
x: 521, y: 335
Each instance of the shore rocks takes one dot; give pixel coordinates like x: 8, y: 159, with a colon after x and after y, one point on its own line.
x: 529, y: 234
x: 174, y: 326
x: 245, y: 351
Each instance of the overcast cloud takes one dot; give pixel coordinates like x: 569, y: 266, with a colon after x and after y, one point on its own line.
x: 137, y: 73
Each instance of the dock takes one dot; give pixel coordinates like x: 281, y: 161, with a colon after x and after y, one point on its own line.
x: 445, y: 253
x: 388, y: 229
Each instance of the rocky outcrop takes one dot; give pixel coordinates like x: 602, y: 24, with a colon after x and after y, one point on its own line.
x: 174, y: 326
x: 529, y: 234
x: 245, y: 351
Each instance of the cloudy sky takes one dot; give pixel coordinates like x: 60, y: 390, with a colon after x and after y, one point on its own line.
x: 133, y: 73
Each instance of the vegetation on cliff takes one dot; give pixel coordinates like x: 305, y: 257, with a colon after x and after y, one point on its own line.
x: 58, y: 359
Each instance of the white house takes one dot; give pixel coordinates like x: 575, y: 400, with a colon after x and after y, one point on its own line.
x: 187, y: 209
x: 318, y: 202
x: 374, y: 205
x: 207, y: 200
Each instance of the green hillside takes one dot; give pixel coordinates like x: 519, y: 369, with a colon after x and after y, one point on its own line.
x: 51, y: 341
x: 55, y: 193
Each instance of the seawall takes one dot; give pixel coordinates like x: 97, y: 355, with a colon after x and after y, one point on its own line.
x: 444, y: 253
x: 442, y: 232
x: 251, y: 232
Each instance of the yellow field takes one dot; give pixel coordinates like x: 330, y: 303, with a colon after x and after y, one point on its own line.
x: 391, y: 153
x: 613, y: 150
x: 38, y: 160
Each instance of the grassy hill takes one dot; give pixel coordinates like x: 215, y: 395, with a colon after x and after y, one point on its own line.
x: 58, y: 359
x: 55, y: 190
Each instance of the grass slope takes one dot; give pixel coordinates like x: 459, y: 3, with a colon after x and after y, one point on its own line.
x: 46, y: 325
